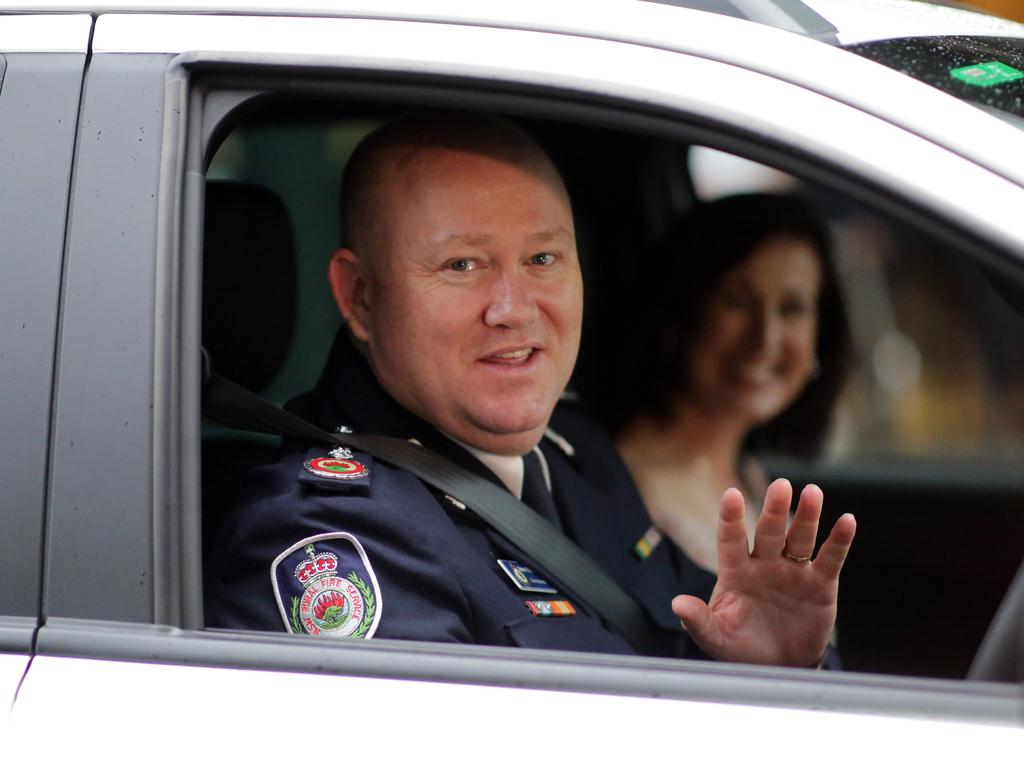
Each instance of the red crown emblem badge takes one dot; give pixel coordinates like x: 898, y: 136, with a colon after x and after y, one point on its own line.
x: 315, y: 565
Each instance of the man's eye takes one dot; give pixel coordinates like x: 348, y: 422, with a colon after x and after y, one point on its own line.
x: 461, y: 265
x: 542, y: 259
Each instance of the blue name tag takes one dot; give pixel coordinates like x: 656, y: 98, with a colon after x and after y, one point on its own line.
x: 525, y: 578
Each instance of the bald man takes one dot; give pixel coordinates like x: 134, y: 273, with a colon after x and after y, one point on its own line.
x: 461, y: 289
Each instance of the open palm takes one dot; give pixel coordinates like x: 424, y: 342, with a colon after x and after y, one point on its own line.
x: 772, y: 604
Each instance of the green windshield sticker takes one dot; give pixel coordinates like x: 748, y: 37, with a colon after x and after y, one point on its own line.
x: 986, y: 74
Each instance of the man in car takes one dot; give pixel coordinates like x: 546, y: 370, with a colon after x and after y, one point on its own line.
x: 461, y: 289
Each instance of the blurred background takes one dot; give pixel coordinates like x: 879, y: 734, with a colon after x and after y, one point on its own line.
x: 1010, y: 9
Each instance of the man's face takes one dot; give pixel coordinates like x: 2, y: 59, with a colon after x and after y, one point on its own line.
x: 474, y: 301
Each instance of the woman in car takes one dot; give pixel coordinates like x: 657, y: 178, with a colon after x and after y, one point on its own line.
x: 749, y: 356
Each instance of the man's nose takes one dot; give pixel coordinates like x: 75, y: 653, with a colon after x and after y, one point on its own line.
x: 511, y: 302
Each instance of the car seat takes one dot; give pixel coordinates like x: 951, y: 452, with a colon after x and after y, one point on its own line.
x: 248, y: 322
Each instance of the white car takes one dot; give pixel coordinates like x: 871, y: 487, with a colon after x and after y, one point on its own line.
x: 155, y: 156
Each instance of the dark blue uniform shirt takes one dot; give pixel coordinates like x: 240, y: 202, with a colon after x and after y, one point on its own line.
x: 346, y: 546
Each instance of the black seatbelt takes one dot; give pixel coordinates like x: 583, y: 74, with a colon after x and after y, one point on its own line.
x: 233, y: 406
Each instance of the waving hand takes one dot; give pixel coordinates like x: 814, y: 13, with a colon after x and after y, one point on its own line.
x: 773, y: 604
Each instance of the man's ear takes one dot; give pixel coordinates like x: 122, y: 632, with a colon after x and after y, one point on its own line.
x: 349, y: 280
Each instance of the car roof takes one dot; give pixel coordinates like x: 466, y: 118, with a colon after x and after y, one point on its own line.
x: 852, y: 20
x: 658, y: 24
x: 845, y: 22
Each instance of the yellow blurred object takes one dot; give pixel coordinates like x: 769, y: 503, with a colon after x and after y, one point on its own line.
x: 1009, y: 9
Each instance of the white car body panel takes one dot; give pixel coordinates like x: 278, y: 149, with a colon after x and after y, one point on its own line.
x: 861, y: 83
x: 94, y: 707
x: 12, y: 669
x: 850, y: 138
x: 45, y: 34
x: 858, y: 82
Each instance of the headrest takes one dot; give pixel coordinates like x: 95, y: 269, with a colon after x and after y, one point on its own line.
x: 249, y: 282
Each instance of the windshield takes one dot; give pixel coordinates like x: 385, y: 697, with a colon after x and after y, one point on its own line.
x: 986, y: 71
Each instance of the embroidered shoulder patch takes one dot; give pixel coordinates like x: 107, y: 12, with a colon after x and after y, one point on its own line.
x: 337, y: 470
x: 324, y: 585
x: 339, y: 464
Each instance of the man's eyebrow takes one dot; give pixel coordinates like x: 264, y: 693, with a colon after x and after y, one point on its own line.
x: 551, y: 234
x: 471, y: 240
x: 476, y: 240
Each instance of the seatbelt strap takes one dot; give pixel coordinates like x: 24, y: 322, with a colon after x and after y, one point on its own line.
x: 234, y: 406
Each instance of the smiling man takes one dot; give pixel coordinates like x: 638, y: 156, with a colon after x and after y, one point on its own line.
x: 463, y: 282
x: 461, y: 289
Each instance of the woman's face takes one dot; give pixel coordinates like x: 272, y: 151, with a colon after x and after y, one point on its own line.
x: 755, y: 349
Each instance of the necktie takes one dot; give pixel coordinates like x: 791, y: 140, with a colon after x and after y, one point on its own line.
x: 535, y: 491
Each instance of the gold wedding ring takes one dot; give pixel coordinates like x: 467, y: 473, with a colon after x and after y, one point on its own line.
x: 796, y: 559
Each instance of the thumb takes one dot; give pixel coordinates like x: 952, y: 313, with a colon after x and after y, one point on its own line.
x: 697, y: 620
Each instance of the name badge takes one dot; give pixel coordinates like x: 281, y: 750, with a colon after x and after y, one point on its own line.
x: 525, y: 578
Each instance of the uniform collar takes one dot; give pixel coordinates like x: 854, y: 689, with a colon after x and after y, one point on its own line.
x: 509, y: 469
x: 356, y: 400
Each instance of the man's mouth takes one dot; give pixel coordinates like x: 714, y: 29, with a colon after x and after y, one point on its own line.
x: 512, y: 357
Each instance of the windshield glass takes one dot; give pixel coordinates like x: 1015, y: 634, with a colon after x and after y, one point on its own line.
x: 986, y: 71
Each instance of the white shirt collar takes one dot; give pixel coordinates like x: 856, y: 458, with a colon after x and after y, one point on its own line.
x: 509, y: 469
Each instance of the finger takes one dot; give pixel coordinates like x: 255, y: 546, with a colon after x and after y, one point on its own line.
x: 770, y: 534
x: 733, y: 546
x: 698, y: 622
x: 833, y: 552
x: 804, y: 530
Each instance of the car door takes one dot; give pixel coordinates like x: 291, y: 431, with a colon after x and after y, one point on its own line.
x: 123, y: 578
x: 41, y: 63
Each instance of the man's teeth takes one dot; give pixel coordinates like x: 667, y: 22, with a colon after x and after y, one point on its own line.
x: 517, y: 354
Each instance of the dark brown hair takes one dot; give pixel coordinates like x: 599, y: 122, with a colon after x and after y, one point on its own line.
x: 713, y: 239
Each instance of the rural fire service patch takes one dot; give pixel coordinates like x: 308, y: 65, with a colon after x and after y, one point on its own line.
x: 324, y: 585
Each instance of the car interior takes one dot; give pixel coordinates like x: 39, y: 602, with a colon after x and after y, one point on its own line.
x: 928, y: 436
